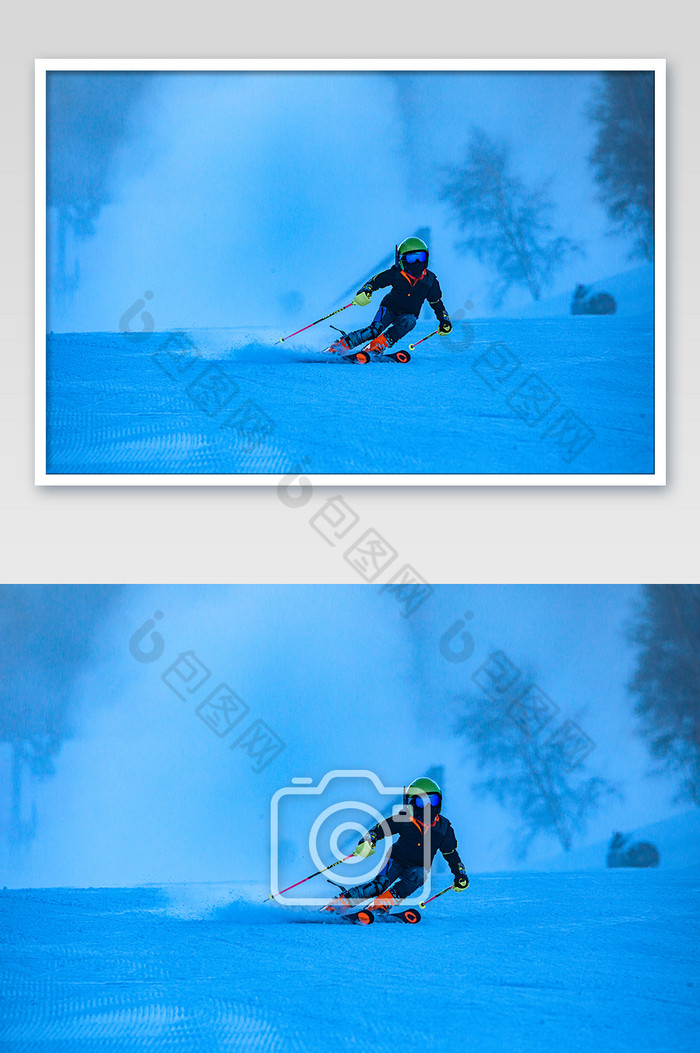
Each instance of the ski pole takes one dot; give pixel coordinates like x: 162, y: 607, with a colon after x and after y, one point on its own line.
x: 448, y: 889
x: 411, y: 346
x: 321, y: 871
x: 283, y: 338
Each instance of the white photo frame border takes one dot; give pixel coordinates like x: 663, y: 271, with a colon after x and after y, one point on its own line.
x: 658, y: 66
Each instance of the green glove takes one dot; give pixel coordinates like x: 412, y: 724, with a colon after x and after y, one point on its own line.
x: 362, y: 298
x: 364, y: 849
x: 461, y: 881
x: 445, y: 327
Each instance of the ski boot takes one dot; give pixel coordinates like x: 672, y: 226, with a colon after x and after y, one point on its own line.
x: 383, y: 902
x: 340, y: 905
x: 340, y: 347
x: 379, y: 345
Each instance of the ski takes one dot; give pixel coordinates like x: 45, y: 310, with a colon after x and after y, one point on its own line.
x: 408, y: 917
x: 364, y: 356
x: 364, y: 917
x: 358, y: 917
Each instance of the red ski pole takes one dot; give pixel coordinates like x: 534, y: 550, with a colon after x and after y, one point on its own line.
x: 315, y: 874
x: 448, y: 889
x: 283, y: 338
x: 411, y: 346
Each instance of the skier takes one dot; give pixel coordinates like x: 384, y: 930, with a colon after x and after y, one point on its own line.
x: 411, y: 284
x: 403, y: 872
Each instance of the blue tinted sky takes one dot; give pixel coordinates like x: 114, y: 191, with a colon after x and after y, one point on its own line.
x: 257, y: 198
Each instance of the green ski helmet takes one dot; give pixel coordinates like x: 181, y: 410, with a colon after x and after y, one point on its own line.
x: 413, y: 256
x: 424, y: 793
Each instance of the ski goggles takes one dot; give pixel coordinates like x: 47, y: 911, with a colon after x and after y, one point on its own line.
x: 429, y: 800
x: 416, y: 257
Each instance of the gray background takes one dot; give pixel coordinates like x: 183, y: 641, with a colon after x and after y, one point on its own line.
x: 247, y: 534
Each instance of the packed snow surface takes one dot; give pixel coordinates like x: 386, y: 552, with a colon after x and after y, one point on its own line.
x: 559, y: 395
x: 578, y: 961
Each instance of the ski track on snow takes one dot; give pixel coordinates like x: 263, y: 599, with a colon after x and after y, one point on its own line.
x: 603, y: 961
x: 112, y: 409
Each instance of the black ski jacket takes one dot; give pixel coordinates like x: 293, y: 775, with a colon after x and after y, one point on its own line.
x: 408, y: 850
x: 408, y: 294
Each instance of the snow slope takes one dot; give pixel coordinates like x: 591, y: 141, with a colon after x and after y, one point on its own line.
x: 632, y: 290
x: 503, y: 396
x: 677, y: 839
x: 583, y: 962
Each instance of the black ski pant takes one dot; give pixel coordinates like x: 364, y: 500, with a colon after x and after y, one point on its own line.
x: 404, y: 880
x: 395, y: 325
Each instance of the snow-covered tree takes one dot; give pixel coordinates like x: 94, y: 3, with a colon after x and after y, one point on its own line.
x: 507, y: 223
x: 666, y: 684
x: 623, y: 157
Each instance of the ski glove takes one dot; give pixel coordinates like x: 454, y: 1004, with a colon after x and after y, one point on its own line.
x: 461, y: 880
x: 362, y: 298
x: 445, y: 327
x: 364, y: 849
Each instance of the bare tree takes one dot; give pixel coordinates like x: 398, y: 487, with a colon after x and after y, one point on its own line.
x: 528, y: 773
x: 506, y: 222
x: 47, y: 638
x: 88, y: 118
x: 666, y: 684
x: 623, y: 157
